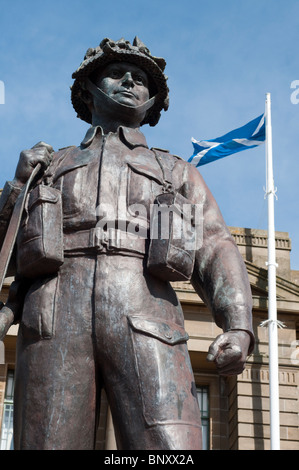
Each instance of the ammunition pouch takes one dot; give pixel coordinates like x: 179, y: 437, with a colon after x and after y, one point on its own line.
x: 40, y: 238
x: 172, y: 238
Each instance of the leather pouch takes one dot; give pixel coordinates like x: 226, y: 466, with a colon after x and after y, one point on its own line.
x: 40, y: 238
x: 172, y: 238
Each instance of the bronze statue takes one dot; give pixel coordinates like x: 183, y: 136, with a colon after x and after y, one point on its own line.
x: 92, y: 290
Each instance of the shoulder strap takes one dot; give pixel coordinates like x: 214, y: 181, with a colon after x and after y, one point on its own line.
x: 166, y: 170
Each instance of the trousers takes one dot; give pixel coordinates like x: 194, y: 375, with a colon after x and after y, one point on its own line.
x: 102, y: 321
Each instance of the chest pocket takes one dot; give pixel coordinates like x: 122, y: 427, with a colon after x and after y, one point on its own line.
x: 143, y: 185
x: 77, y: 179
x: 72, y: 183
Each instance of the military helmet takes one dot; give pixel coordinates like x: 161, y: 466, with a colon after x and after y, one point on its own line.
x: 122, y: 51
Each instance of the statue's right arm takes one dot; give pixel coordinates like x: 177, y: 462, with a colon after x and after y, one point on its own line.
x: 7, y: 201
x: 40, y: 153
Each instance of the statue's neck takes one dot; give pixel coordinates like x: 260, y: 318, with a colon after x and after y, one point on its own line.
x: 111, y: 125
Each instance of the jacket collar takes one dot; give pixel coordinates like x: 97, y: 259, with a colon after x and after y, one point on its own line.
x: 132, y: 137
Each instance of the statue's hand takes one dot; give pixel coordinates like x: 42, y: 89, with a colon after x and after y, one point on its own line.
x: 229, y: 352
x: 6, y: 320
x: 40, y: 153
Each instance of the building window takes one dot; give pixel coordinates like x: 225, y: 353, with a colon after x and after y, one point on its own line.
x: 6, y: 442
x: 203, y: 401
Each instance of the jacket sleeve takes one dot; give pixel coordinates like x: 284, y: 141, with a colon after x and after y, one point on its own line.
x: 220, y: 277
x: 7, y: 202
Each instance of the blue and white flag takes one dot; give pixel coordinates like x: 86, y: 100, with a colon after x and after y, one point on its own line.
x: 249, y: 136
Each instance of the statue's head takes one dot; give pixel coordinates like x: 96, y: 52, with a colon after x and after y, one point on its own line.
x: 110, y: 53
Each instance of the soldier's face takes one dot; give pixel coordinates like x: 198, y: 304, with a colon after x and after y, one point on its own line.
x: 125, y: 83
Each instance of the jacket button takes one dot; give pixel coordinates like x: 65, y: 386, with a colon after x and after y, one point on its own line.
x: 168, y: 335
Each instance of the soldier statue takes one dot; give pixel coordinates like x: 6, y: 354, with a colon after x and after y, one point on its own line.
x: 92, y: 291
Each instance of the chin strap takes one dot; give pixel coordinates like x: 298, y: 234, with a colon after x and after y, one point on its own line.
x: 132, y: 112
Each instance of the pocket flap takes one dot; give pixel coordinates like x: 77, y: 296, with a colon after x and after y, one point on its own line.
x: 73, y: 160
x: 149, y: 172
x: 43, y: 194
x: 166, y: 331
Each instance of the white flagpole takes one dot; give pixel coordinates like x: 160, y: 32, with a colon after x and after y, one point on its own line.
x: 272, y: 309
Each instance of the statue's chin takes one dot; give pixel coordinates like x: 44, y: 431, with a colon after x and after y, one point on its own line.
x: 122, y: 107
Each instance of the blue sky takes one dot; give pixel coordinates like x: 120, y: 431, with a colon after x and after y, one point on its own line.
x: 222, y: 57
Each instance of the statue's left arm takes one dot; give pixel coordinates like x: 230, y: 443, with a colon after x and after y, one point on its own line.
x: 221, y: 280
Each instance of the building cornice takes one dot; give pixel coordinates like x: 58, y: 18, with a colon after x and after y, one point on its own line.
x: 259, y: 238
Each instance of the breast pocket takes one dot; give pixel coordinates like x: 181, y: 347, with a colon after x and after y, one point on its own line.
x: 143, y: 184
x: 72, y: 193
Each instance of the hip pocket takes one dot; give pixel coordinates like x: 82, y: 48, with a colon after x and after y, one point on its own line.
x: 38, y: 316
x: 164, y: 372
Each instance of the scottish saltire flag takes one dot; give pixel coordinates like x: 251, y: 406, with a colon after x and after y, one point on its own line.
x: 249, y: 136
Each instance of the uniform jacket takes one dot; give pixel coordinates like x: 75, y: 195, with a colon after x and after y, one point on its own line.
x: 108, y: 177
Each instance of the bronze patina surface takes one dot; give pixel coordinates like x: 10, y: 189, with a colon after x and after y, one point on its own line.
x: 92, y: 292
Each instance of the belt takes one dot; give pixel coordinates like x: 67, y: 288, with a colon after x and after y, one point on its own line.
x: 103, y: 241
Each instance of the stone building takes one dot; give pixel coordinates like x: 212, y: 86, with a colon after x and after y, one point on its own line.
x: 235, y: 410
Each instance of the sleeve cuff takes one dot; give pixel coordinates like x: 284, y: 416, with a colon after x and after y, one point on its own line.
x: 237, y: 317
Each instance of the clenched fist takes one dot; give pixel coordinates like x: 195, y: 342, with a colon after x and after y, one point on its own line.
x: 40, y: 153
x: 229, y: 352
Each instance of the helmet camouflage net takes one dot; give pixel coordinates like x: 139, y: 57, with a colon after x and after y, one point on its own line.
x: 122, y: 51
